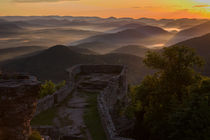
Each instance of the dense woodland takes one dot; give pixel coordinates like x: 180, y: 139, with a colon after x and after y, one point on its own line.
x: 173, y: 103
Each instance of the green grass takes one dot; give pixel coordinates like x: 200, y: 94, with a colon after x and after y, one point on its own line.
x: 92, y: 118
x: 45, y: 118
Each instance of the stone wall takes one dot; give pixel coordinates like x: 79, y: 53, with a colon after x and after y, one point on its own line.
x: 18, y: 97
x: 50, y: 100
x: 115, y: 91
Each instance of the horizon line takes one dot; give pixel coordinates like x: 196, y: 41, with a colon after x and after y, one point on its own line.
x: 96, y: 17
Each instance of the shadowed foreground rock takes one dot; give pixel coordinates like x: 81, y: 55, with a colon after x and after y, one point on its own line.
x: 18, y: 98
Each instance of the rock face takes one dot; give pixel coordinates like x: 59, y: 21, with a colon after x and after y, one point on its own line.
x: 18, y: 98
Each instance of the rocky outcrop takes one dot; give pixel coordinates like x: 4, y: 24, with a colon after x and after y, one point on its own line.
x: 18, y: 97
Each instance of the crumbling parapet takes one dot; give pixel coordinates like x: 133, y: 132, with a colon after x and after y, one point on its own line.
x: 18, y: 98
x: 109, y: 99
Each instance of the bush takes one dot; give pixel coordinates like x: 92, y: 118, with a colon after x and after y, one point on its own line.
x: 35, y: 136
x: 49, y: 88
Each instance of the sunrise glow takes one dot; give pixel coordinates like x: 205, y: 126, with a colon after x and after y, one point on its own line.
x: 107, y: 8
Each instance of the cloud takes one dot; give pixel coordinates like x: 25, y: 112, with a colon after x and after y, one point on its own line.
x: 31, y: 1
x: 201, y: 6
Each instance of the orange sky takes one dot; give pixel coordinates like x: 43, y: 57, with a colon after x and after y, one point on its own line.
x: 107, y: 8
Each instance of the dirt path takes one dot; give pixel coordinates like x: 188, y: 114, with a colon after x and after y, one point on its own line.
x: 70, y: 116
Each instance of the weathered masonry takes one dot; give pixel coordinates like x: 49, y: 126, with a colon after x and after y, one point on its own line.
x: 18, y: 97
x: 112, y: 91
x: 107, y: 80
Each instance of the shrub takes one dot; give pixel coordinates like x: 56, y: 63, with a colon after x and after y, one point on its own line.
x: 49, y: 88
x: 35, y: 136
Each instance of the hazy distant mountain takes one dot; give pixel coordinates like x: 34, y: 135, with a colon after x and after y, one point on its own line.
x: 195, y: 31
x: 49, y: 21
x: 132, y: 49
x: 98, y: 47
x: 82, y: 50
x: 125, y: 27
x: 202, y: 47
x: 155, y: 22
x: 8, y: 28
x: 46, y: 21
x: 144, y: 35
x: 184, y: 23
x: 52, y: 63
x: 9, y: 53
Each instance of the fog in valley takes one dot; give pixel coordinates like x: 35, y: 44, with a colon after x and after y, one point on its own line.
x: 25, y: 40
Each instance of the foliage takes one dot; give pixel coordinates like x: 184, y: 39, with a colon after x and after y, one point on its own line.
x: 49, y: 88
x: 35, y: 136
x: 173, y: 102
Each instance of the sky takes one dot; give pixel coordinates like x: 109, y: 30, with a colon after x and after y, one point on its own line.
x: 107, y: 8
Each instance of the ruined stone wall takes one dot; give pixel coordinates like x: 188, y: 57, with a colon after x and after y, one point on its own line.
x: 115, y: 91
x: 18, y: 97
x: 50, y: 100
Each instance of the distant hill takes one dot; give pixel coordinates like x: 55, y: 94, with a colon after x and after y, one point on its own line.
x: 98, y: 47
x: 184, y: 23
x: 202, y: 47
x: 82, y: 50
x: 195, y: 31
x: 132, y: 49
x: 9, y: 53
x: 48, y: 22
x: 52, y: 63
x: 125, y: 27
x: 8, y: 28
x: 145, y: 35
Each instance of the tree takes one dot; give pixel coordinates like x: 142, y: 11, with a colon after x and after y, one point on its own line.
x: 159, y: 95
x: 191, y: 120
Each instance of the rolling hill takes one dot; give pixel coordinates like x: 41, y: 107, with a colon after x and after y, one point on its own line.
x: 202, y: 47
x: 98, y: 47
x: 125, y: 27
x: 144, y: 35
x: 8, y: 28
x: 184, y: 23
x: 82, y: 50
x: 195, y: 31
x: 132, y: 49
x: 9, y: 53
x: 52, y: 63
